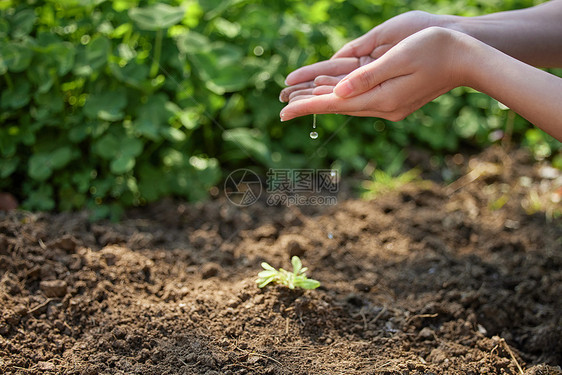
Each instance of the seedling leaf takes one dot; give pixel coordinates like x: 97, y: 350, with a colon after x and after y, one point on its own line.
x: 308, y: 284
x: 267, y: 266
x: 297, y: 265
x: 292, y: 280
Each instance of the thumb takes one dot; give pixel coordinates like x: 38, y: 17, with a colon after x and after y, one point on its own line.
x: 369, y: 76
x: 357, y: 82
x: 362, y: 46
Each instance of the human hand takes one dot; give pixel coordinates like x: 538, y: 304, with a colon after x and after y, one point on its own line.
x: 383, y: 37
x: 357, y: 53
x: 418, y: 69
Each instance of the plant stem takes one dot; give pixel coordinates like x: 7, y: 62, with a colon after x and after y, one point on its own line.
x: 9, y: 81
x: 157, y: 51
x: 506, y: 141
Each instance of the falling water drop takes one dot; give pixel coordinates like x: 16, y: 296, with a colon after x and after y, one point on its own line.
x: 313, y: 134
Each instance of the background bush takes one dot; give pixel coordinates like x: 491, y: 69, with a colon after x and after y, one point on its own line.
x: 108, y: 104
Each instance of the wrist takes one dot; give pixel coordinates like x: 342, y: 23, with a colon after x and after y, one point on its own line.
x: 455, y: 23
x: 478, y: 63
x: 466, y: 52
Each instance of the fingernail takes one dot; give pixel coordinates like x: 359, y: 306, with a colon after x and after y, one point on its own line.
x: 343, y: 89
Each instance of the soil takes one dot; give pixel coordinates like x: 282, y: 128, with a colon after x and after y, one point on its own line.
x: 427, y: 279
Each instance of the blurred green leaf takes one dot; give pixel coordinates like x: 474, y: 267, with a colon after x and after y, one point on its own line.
x: 156, y: 17
x: 133, y: 73
x: 14, y: 57
x: 22, y: 23
x: 17, y: 96
x: 42, y: 165
x: 219, y: 67
x: 94, y: 56
x: 63, y: 54
x: 193, y: 42
x: 106, y: 105
x: 41, y: 76
x: 40, y: 198
x: 8, y: 166
x: 153, y: 117
x: 121, y: 151
x: 250, y: 142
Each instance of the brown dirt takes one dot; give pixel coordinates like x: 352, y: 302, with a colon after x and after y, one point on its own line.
x: 424, y: 280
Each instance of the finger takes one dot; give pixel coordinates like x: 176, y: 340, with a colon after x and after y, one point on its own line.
x: 330, y: 103
x: 311, y: 104
x: 301, y: 93
x: 334, y: 67
x: 320, y: 90
x: 301, y: 97
x: 287, y: 91
x: 369, y: 76
x: 361, y: 46
x: 380, y: 50
x: 378, y: 114
x: 327, y: 80
x: 323, y: 90
x: 364, y: 60
x: 380, y: 101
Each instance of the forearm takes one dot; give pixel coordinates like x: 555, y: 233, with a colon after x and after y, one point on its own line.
x: 531, y: 92
x: 532, y: 35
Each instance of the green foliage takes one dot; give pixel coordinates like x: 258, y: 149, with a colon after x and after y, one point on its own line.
x: 383, y: 182
x: 292, y: 280
x: 108, y: 104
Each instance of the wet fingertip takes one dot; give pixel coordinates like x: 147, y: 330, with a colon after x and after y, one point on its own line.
x: 284, y: 116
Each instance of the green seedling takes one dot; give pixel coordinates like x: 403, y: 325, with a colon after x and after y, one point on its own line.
x: 383, y: 182
x: 295, y: 279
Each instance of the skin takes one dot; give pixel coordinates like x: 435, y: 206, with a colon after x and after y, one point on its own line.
x: 402, y: 64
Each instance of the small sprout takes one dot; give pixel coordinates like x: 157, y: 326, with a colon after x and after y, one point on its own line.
x: 295, y: 279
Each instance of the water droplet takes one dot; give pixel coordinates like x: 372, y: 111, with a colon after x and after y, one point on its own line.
x: 313, y: 135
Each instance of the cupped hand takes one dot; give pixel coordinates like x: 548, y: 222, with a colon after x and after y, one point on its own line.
x: 415, y: 71
x: 383, y: 37
x: 356, y: 53
x: 324, y: 74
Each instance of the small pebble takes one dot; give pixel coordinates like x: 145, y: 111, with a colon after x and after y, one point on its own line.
x: 426, y: 333
x: 209, y: 270
x: 53, y: 288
